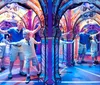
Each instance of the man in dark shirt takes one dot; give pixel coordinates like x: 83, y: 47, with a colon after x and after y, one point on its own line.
x: 82, y: 45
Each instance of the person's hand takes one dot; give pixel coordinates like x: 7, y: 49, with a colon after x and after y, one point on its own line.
x: 39, y: 42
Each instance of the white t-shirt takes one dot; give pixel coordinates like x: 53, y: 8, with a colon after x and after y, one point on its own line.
x: 93, y: 46
x: 28, y: 50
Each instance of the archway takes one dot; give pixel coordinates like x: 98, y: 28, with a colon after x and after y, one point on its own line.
x: 93, y: 28
x: 31, y: 6
x: 73, y: 13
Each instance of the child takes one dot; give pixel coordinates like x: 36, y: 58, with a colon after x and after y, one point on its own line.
x: 94, y: 51
x: 29, y: 52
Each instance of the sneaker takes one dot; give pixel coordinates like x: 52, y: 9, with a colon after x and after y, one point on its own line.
x: 96, y: 62
x: 22, y: 74
x: 83, y: 61
x: 28, y: 79
x: 39, y: 74
x: 79, y: 62
x: 10, y: 76
x: 3, y: 68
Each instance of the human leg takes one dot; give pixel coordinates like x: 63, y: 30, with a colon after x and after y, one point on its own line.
x: 93, y: 57
x: 2, y: 64
x: 21, y: 58
x: 13, y: 56
x: 83, y: 54
x: 27, y: 66
x: 2, y: 51
x: 36, y: 63
x: 96, y: 58
x: 80, y: 52
x: 28, y: 75
x: 10, y: 70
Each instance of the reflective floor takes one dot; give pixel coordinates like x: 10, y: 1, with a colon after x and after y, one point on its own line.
x: 80, y: 74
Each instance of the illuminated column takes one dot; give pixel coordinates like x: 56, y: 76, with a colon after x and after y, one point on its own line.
x: 56, y: 58
x: 50, y: 55
x: 44, y: 50
x: 99, y: 45
x: 69, y: 53
x: 50, y: 61
x: 64, y: 52
x: 70, y: 46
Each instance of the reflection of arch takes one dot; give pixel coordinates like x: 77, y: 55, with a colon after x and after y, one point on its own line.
x: 15, y: 14
x: 30, y: 4
x: 6, y: 24
x: 35, y: 21
x: 70, y: 5
x: 92, y: 27
x: 39, y: 13
x: 79, y: 20
x: 83, y: 16
x: 77, y: 4
x: 85, y: 24
x: 36, y: 9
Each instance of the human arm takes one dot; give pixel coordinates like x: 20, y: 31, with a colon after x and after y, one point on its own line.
x: 36, y: 42
x: 97, y: 41
x: 36, y: 30
x: 19, y: 43
x: 95, y: 34
x: 5, y: 41
x: 66, y: 42
x: 63, y: 34
x: 3, y: 31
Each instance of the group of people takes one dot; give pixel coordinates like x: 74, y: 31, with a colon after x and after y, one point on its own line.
x: 22, y: 46
x: 84, y: 36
